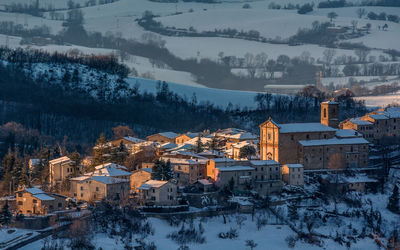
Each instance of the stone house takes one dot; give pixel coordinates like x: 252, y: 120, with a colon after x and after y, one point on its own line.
x: 34, y: 201
x: 239, y: 178
x: 163, y: 137
x: 375, y: 125
x: 293, y: 174
x: 319, y: 154
x: 60, y: 169
x: 159, y: 193
x: 344, y: 183
x: 139, y: 177
x: 112, y: 170
x: 182, y: 138
x: 97, y: 188
x: 212, y: 164
x: 267, y: 176
x: 187, y: 171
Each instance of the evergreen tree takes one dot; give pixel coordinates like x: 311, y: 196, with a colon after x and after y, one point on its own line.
x: 157, y: 170
x: 393, y: 204
x: 214, y: 143
x: 5, y: 215
x: 247, y: 151
x: 100, y: 151
x: 76, y: 158
x: 162, y: 170
x: 199, y: 145
x: 167, y: 172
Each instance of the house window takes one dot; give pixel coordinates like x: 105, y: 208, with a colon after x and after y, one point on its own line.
x: 97, y: 189
x: 269, y: 136
x: 19, y: 194
x: 81, y: 188
x: 260, y: 185
x: 153, y: 198
x: 20, y: 203
x: 153, y: 190
x: 81, y: 194
x: 292, y: 137
x: 324, y: 112
x: 34, y: 201
x: 59, y: 204
x: 308, y: 136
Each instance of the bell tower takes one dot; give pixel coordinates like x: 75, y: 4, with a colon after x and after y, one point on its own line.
x: 330, y: 114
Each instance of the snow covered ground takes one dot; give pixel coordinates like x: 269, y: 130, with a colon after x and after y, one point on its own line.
x: 269, y: 237
x: 380, y: 101
x: 369, y: 81
x: 218, y: 97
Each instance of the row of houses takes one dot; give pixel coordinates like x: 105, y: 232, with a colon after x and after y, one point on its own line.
x: 282, y: 154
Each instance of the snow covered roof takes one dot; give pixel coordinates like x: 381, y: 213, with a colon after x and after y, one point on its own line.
x: 219, y: 160
x: 235, y: 168
x: 64, y: 159
x: 243, y: 136
x: 34, y: 190
x: 43, y: 197
x: 133, y: 139
x: 79, y: 178
x: 187, y: 153
x: 359, y: 121
x: 111, y: 165
x: 169, y: 145
x: 378, y: 117
x: 108, y: 179
x: 152, y: 184
x: 170, y: 135
x: 304, y: 127
x: 109, y: 170
x: 333, y: 141
x: 330, y: 102
x: 184, y: 161
x: 213, y: 152
x: 204, y: 182
x: 229, y: 131
x: 347, y: 133
x: 294, y: 165
x: 263, y: 163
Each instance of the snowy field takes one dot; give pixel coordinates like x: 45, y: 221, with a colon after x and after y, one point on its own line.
x: 369, y: 81
x: 380, y: 101
x: 218, y: 97
x: 269, y: 237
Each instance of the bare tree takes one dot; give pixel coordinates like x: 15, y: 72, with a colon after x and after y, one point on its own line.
x: 361, y: 12
x: 354, y: 24
x: 332, y: 15
x: 362, y: 54
x: 328, y: 56
x: 250, y: 64
x: 122, y: 131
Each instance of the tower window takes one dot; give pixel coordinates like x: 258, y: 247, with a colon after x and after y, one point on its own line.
x: 324, y: 112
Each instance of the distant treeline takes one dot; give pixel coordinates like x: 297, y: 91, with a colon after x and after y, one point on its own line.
x: 106, y: 63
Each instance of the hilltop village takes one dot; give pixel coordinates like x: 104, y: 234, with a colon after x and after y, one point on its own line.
x: 171, y: 171
x: 305, y: 175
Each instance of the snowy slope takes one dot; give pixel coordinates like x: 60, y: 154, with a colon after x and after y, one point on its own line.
x: 219, y: 97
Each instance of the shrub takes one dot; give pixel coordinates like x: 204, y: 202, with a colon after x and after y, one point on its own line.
x: 304, y: 9
x: 246, y: 6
